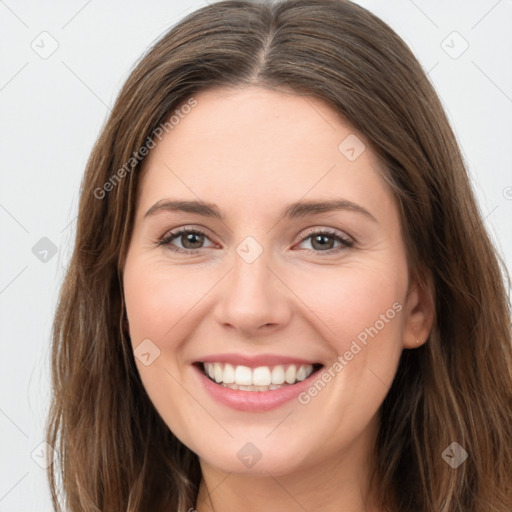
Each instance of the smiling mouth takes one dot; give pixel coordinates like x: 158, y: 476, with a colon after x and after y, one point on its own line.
x: 261, y: 378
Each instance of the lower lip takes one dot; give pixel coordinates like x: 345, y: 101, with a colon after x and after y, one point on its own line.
x: 254, y: 401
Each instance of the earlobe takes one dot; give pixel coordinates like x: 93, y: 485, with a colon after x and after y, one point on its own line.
x: 419, y: 315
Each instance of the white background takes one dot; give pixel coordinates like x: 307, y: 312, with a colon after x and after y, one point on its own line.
x: 53, y: 109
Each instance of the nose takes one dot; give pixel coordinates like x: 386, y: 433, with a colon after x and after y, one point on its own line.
x: 254, y: 298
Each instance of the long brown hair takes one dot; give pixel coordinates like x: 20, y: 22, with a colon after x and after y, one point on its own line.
x: 115, y: 452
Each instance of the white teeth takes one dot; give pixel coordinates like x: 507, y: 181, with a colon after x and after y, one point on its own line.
x: 228, y: 377
x: 262, y: 378
x: 278, y: 375
x: 217, y: 372
x: 243, y: 376
x: 290, y: 374
x: 301, y: 373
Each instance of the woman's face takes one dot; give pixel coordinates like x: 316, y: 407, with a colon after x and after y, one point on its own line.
x: 270, y: 284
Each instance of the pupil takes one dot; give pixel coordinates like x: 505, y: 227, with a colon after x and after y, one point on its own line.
x: 190, y: 239
x: 319, y: 238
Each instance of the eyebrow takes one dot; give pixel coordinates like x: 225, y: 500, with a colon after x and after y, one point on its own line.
x: 294, y: 210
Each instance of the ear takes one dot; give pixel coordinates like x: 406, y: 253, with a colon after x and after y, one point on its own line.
x: 419, y: 313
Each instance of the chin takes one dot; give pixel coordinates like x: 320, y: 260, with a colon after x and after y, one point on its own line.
x: 254, y: 457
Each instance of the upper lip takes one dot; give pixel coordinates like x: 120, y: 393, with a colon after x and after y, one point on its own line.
x: 253, y: 361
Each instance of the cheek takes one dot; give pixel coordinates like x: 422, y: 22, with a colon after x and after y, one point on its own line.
x: 159, y: 297
x: 359, y: 312
x: 159, y: 301
x: 351, y: 300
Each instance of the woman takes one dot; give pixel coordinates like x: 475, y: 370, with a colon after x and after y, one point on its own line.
x: 282, y: 295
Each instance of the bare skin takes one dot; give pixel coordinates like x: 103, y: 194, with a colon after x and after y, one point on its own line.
x: 253, y: 152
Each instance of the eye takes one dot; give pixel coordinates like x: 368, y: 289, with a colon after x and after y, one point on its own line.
x: 321, y: 243
x: 191, y: 240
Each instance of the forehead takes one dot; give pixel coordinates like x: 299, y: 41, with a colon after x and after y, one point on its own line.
x: 254, y: 147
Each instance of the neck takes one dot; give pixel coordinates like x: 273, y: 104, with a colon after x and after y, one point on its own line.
x: 337, y: 483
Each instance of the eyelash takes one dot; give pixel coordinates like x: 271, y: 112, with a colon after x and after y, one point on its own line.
x: 166, y: 239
